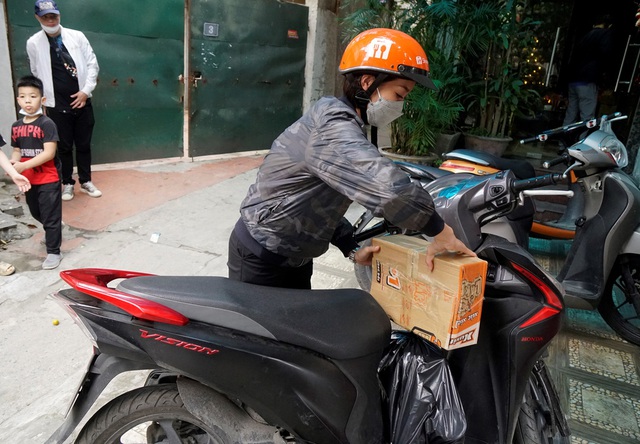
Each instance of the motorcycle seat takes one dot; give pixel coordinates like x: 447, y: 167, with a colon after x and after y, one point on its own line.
x: 521, y: 168
x: 340, y: 323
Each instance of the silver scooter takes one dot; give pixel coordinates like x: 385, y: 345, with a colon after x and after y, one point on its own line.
x: 602, y: 268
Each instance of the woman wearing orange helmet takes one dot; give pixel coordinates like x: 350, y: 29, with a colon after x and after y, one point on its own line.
x: 323, y: 162
x: 382, y: 55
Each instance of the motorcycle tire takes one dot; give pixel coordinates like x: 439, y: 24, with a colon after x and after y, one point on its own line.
x: 535, y: 425
x: 616, y: 306
x: 159, y: 408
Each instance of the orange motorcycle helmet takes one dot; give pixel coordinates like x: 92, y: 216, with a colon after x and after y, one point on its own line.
x: 387, y: 51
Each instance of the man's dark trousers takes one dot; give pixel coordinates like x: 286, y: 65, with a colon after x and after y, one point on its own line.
x: 75, y: 126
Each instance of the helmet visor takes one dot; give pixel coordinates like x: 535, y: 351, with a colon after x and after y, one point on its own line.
x: 416, y: 74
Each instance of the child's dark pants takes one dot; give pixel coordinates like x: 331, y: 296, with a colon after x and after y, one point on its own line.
x: 45, y: 204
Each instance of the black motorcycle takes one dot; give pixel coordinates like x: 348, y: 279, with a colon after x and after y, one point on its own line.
x: 237, y: 363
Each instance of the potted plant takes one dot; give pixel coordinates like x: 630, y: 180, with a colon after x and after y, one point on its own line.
x: 499, y: 91
x: 444, y: 28
x: 428, y: 127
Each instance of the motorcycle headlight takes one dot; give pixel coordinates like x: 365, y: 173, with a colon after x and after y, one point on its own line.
x: 616, y: 150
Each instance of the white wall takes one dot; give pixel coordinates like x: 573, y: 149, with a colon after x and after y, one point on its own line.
x: 7, y: 98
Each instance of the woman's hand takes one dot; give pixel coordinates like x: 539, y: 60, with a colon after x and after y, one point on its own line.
x: 446, y: 240
x: 364, y: 255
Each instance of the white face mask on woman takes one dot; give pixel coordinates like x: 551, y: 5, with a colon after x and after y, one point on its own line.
x: 50, y: 29
x: 383, y: 112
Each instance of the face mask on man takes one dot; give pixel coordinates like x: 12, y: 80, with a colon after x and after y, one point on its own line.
x: 382, y: 112
x: 50, y: 29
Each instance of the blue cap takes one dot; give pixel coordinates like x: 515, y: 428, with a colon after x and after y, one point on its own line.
x: 46, y: 7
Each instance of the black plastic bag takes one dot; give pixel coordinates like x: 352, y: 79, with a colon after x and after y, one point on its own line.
x: 421, y: 402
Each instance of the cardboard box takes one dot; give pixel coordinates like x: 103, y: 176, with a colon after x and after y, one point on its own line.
x: 443, y: 306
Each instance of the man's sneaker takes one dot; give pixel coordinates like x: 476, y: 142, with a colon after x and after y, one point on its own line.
x: 67, y: 192
x: 90, y: 189
x: 52, y: 261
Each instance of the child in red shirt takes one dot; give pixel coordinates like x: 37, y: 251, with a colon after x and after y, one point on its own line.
x: 34, y: 139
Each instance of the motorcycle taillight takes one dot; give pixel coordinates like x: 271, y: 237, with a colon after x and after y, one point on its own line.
x: 553, y: 302
x: 68, y: 305
x: 95, y: 282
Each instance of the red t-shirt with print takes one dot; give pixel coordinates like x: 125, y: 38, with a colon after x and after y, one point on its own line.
x: 30, y: 138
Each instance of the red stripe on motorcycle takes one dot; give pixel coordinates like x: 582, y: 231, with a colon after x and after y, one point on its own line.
x: 94, y: 282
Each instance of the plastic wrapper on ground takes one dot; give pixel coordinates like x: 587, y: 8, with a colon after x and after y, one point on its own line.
x: 421, y: 402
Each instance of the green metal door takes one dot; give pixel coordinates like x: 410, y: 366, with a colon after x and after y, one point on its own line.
x: 247, y: 61
x: 138, y: 101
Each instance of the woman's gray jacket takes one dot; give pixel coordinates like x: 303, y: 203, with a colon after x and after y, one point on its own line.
x: 315, y: 169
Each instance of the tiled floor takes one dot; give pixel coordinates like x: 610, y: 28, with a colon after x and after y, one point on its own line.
x: 597, y: 373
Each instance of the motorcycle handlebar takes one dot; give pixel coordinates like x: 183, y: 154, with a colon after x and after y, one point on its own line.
x: 591, y: 123
x: 528, y: 140
x: 549, y: 163
x: 613, y: 116
x: 535, y: 182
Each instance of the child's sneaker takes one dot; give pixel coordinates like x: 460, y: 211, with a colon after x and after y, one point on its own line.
x: 52, y: 261
x: 67, y: 192
x: 90, y: 189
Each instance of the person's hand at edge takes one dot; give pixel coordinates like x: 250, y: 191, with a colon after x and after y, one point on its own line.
x: 444, y: 241
x: 22, y: 182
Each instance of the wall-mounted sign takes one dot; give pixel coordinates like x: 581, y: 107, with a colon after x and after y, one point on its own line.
x: 210, y: 30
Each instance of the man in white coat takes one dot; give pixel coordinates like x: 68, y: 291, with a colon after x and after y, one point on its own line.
x: 65, y: 62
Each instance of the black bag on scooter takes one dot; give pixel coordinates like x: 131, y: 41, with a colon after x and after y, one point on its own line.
x: 421, y: 403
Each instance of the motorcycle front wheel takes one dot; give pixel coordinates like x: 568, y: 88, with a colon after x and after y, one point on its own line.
x: 541, y: 422
x: 153, y: 414
x: 617, y: 306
